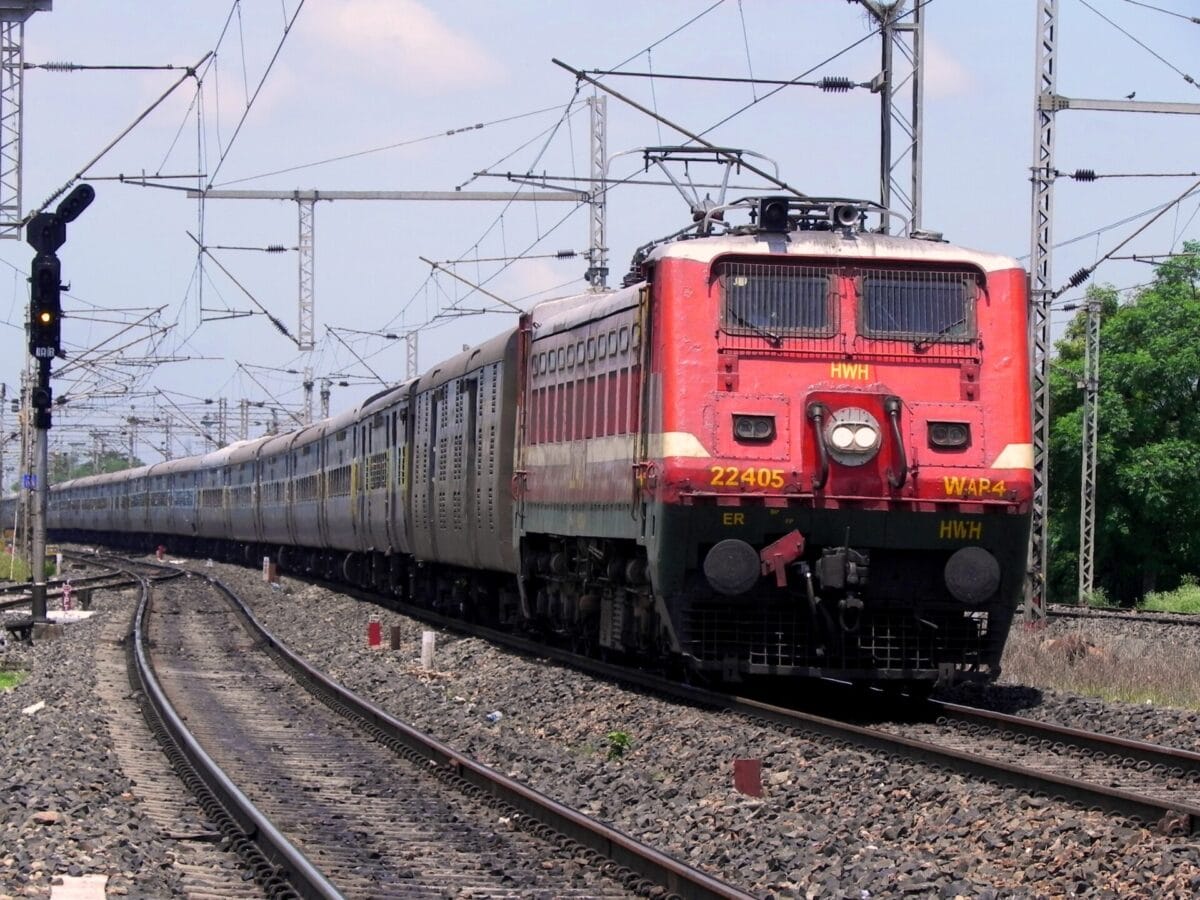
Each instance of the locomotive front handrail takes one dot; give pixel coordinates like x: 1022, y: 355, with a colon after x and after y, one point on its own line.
x: 816, y: 415
x: 892, y: 406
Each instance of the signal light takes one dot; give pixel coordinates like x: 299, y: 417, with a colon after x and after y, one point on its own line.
x: 45, y: 307
x: 75, y: 203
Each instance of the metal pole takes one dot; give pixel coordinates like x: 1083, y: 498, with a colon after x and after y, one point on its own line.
x: 245, y: 423
x: 1040, y: 259
x: 325, y: 383
x: 886, y: 25
x: 308, y: 395
x: 1091, y: 433
x: 37, y: 563
x: 3, y: 434
x: 597, y: 273
x: 307, y: 243
x: 410, y: 354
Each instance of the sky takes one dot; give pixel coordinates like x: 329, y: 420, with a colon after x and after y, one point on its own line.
x: 407, y: 95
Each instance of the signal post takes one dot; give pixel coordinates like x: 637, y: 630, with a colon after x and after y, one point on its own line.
x: 46, y: 232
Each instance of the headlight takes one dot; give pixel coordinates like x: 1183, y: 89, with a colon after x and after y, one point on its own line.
x: 842, y: 437
x: 852, y: 436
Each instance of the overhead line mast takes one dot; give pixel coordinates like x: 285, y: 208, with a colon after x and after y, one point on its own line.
x: 13, y: 14
x: 1047, y: 102
x: 306, y: 205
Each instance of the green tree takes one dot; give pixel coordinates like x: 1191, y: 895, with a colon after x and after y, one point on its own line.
x: 1148, y: 452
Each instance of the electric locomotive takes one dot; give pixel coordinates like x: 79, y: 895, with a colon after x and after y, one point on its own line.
x: 794, y: 448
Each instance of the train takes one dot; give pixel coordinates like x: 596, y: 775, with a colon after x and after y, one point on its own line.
x: 790, y: 448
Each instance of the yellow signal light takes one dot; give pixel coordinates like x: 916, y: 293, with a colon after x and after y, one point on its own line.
x: 45, y: 317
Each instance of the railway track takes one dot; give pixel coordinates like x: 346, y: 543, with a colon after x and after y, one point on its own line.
x: 387, y: 813
x: 1153, y: 618
x: 117, y: 574
x: 1155, y: 785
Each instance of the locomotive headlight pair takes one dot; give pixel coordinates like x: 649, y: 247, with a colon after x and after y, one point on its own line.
x: 852, y: 436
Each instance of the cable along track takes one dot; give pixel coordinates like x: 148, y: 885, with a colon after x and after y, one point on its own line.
x: 386, y: 813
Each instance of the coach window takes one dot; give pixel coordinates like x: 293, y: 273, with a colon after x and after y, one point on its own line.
x: 579, y: 352
x: 612, y: 343
x: 562, y: 358
x: 553, y: 362
x: 571, y: 356
x: 602, y: 348
x: 636, y: 335
x: 624, y: 337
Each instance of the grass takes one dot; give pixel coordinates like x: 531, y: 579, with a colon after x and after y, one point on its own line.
x: 10, y: 679
x: 1073, y: 658
x: 1185, y: 599
x: 19, y: 571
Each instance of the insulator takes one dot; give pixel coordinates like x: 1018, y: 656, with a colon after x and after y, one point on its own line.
x: 1084, y: 175
x: 1079, y: 278
x: 836, y: 84
x: 565, y: 254
x: 59, y: 66
x: 276, y: 248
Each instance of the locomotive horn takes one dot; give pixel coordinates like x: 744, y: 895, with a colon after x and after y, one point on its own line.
x: 844, y: 215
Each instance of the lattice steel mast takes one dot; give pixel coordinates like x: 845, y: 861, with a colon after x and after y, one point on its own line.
x: 1091, y: 434
x: 900, y: 134
x: 13, y: 14
x: 1040, y: 258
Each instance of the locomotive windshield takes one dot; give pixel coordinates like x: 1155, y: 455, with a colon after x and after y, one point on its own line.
x: 775, y: 300
x: 918, y: 305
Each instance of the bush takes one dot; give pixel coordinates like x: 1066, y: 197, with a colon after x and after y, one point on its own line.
x: 1184, y: 599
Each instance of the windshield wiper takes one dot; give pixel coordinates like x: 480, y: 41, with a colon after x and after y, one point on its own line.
x: 924, y: 344
x: 771, y: 336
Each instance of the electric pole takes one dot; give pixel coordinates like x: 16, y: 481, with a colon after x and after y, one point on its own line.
x: 1047, y: 102
x: 900, y: 133
x: 1091, y: 433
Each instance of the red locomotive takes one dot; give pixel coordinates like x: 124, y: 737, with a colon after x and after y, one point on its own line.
x: 794, y: 448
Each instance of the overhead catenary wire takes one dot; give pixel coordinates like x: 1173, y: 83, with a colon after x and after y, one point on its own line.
x: 1086, y: 272
x: 250, y: 105
x: 1195, y: 20
x: 1178, y: 71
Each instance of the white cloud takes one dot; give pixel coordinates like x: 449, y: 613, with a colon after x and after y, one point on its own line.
x: 404, y: 43
x: 945, y: 76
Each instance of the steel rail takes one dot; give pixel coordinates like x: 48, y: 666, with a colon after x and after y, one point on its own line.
x: 291, y: 866
x: 1152, y: 618
x: 1154, y: 754
x: 649, y: 863
x: 1169, y: 816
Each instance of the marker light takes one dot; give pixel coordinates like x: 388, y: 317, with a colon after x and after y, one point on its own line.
x: 949, y: 435
x: 754, y: 428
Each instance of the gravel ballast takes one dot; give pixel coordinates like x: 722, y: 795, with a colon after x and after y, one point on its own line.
x: 832, y: 821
